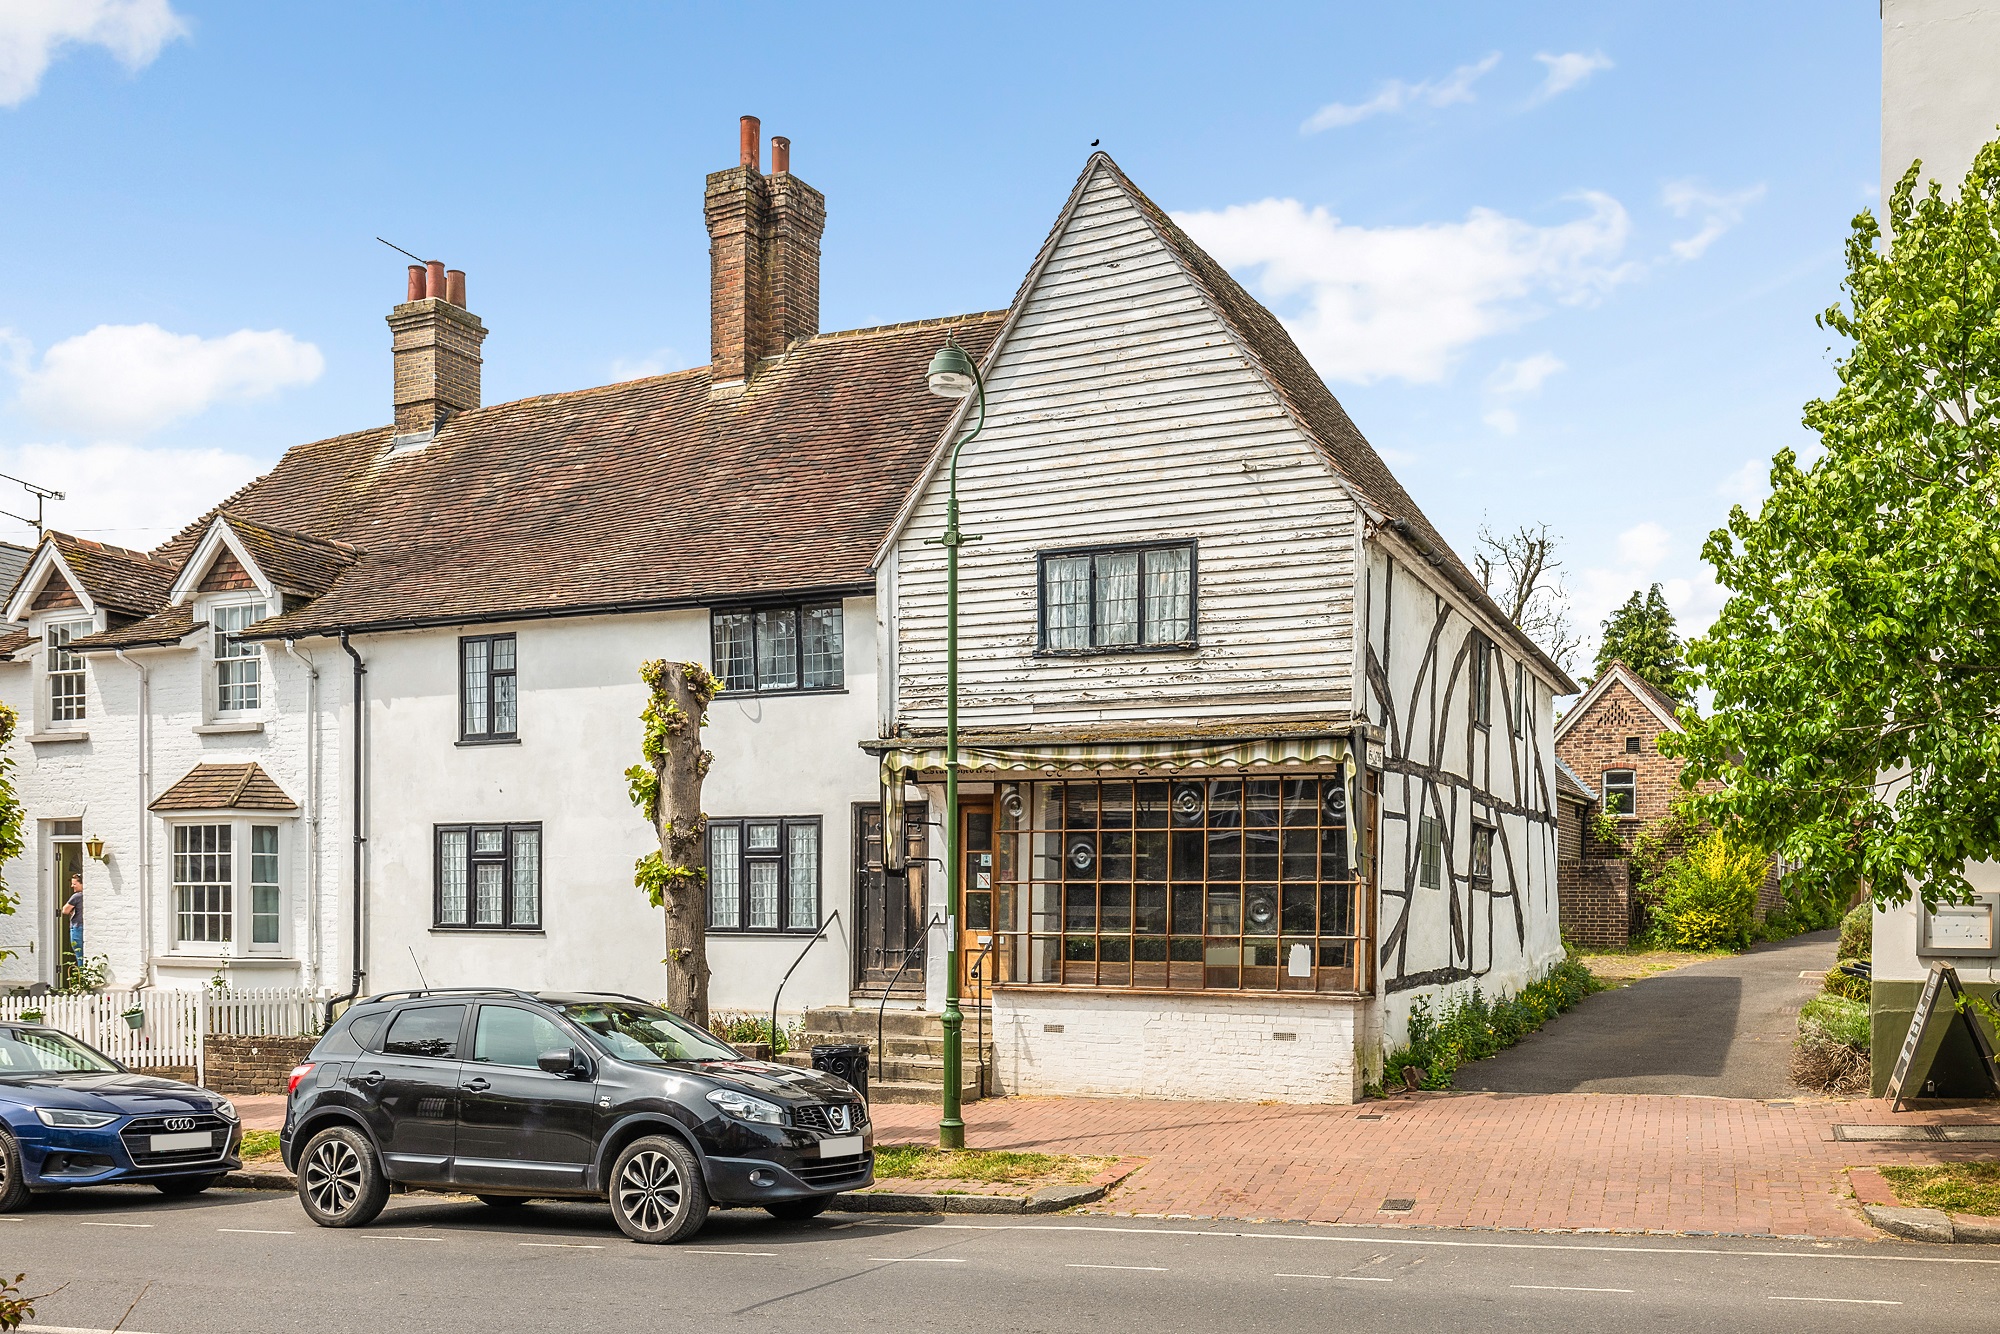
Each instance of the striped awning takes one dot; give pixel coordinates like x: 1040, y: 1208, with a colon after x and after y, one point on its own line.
x: 1161, y: 756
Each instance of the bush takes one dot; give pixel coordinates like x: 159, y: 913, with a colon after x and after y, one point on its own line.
x: 1845, y: 985
x: 744, y: 1029
x: 1470, y: 1027
x: 1838, y: 1018
x: 1830, y: 1054
x: 1708, y: 896
x: 1857, y: 933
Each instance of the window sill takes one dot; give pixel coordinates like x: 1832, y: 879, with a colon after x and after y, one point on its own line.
x: 225, y: 960
x: 1185, y: 993
x: 752, y: 933
x: 236, y: 728
x: 488, y: 741
x: 488, y: 931
x: 1120, y: 650
x: 55, y: 738
x: 782, y: 694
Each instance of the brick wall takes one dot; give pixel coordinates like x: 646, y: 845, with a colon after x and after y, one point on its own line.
x: 1201, y: 1045
x: 1596, y: 901
x: 253, y: 1065
x: 1600, y: 740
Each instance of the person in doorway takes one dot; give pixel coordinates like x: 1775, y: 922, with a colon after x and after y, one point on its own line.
x: 73, y: 910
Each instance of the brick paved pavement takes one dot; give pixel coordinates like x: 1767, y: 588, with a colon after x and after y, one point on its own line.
x: 1627, y: 1162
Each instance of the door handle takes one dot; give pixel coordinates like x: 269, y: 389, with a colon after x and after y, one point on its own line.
x: 476, y: 1086
x: 372, y: 1078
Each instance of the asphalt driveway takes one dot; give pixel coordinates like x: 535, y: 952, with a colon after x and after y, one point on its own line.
x: 1722, y: 1029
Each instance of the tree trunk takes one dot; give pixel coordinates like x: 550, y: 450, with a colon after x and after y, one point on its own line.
x: 668, y: 787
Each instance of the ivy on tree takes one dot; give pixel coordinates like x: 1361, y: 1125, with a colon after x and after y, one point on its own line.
x: 1856, y: 666
x: 667, y: 787
x: 12, y: 817
x: 1641, y: 634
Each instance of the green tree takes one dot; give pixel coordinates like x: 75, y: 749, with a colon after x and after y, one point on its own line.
x: 1856, y: 666
x: 1641, y: 634
x: 12, y: 817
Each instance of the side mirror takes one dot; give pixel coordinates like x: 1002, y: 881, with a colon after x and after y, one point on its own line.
x: 571, y: 1062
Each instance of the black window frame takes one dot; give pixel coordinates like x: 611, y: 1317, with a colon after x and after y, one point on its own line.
x: 489, y: 737
x: 1482, y: 680
x: 798, y: 607
x: 1190, y: 642
x: 1631, y: 785
x: 506, y: 925
x: 783, y: 856
x: 1523, y: 683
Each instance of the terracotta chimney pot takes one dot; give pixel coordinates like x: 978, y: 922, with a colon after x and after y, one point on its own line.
x: 434, y: 279
x: 416, y: 283
x: 781, y: 155
x: 751, y: 150
x: 454, y: 286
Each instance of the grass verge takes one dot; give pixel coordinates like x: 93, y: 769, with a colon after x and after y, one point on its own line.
x: 1614, y: 968
x: 919, y: 1162
x: 1956, y: 1188
x: 260, y: 1144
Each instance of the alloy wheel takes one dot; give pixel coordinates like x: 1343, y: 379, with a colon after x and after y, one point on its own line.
x: 333, y: 1176
x: 649, y: 1191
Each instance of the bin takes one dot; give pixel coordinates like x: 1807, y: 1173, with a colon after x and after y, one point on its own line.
x: 844, y: 1060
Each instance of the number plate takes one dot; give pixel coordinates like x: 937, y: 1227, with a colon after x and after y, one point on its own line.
x: 194, y: 1139
x: 844, y: 1147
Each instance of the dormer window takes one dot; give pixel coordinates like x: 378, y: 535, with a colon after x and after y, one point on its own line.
x: 239, y: 662
x: 65, y: 670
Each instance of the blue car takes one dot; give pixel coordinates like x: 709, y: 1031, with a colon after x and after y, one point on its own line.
x: 71, y: 1116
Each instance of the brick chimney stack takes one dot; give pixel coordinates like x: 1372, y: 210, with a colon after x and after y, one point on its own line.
x: 763, y: 256
x: 435, y: 348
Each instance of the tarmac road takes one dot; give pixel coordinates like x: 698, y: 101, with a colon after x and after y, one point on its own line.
x: 245, y: 1261
x: 1722, y: 1029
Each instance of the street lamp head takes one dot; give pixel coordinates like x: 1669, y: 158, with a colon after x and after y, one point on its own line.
x: 951, y: 372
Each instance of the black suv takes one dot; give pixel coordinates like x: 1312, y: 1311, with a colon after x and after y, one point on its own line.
x: 515, y: 1095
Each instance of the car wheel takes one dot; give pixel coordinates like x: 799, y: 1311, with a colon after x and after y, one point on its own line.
x: 340, y: 1179
x: 657, y: 1194
x: 13, y: 1180
x: 177, y: 1186
x: 502, y: 1201
x: 812, y: 1206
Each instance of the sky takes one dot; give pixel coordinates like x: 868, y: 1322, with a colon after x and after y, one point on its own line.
x: 1560, y: 262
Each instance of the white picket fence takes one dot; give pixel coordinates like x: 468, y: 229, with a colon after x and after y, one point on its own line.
x: 173, y: 1024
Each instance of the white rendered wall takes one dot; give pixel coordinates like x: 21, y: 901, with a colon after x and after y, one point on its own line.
x: 1202, y: 1045
x: 1940, y: 86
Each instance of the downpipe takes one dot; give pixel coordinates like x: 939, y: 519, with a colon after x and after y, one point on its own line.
x: 316, y: 964
x: 356, y: 820
x: 145, y: 816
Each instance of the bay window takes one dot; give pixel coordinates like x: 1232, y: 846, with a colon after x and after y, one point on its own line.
x: 228, y: 888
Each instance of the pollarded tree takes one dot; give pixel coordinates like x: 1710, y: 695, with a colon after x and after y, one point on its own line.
x: 1856, y: 667
x: 667, y: 787
x: 1522, y: 573
x: 1641, y: 634
x: 11, y: 815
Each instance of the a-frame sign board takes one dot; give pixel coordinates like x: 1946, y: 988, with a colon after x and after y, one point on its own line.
x: 1928, y: 1026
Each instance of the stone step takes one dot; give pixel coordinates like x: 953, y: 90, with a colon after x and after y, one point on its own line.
x: 924, y: 1094
x: 892, y: 1044
x: 907, y: 1069
x: 845, y: 1023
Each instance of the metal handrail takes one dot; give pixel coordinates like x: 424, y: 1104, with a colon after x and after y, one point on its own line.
x: 908, y: 954
x: 979, y: 989
x: 788, y: 977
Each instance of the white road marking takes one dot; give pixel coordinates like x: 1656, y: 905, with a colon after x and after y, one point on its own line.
x: 564, y: 1245
x: 1150, y: 1269
x: 117, y: 1224
x: 260, y: 1231
x: 1557, y: 1287
x: 403, y: 1238
x: 71, y: 1329
x: 1331, y: 1237
x: 1345, y: 1278
x: 914, y: 1260
x: 1844, y: 1301
x: 697, y: 1250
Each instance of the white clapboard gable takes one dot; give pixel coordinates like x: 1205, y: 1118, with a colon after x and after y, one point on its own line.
x: 1120, y: 408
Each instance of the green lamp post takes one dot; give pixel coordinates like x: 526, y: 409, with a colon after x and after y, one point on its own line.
x: 952, y: 375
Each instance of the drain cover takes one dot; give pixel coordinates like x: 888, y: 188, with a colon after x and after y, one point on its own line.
x: 1398, y: 1206
x: 1920, y: 1134
x: 1370, y: 1116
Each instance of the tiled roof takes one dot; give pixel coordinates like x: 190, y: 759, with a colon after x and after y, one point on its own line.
x: 1311, y: 403
x: 13, y: 642
x: 296, y: 561
x: 1570, y: 783
x: 225, y: 787
x: 128, y: 581
x: 162, y: 627
x: 653, y: 492
x: 13, y: 564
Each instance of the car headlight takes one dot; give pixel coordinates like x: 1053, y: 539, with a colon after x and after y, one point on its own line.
x: 746, y: 1108
x: 62, y: 1118
x: 224, y: 1107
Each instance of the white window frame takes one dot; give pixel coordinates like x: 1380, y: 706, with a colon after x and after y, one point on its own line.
x: 76, y: 627
x: 1605, y: 786
x: 253, y: 654
x: 242, y: 884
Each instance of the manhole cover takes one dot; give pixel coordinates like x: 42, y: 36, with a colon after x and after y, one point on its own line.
x: 1398, y: 1206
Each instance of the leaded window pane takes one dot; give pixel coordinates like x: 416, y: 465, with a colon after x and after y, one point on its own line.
x: 526, y: 887
x: 504, y: 704
x: 1169, y: 608
x: 452, y: 875
x: 733, y: 650
x: 1066, y: 602
x: 824, y: 665
x: 778, y: 649
x: 725, y: 889
x: 489, y: 840
x: 763, y: 895
x: 478, y: 659
x: 802, y: 875
x: 489, y: 883
x: 1117, y: 605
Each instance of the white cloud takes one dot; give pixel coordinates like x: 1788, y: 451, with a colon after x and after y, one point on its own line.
x: 1748, y: 485
x: 33, y: 32
x: 122, y: 380
x: 1718, y: 213
x: 1643, y: 546
x: 657, y: 362
x: 1367, y: 303
x: 1395, y: 95
x: 1567, y: 70
x: 1503, y: 420
x: 1524, y: 376
x: 125, y: 494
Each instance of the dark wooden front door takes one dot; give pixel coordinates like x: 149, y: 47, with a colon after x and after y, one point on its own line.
x: 889, y: 945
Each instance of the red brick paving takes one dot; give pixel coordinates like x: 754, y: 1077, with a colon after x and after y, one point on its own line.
x: 1624, y: 1162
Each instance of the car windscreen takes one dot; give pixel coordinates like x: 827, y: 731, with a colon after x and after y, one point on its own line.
x: 636, y: 1032
x: 42, y: 1051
